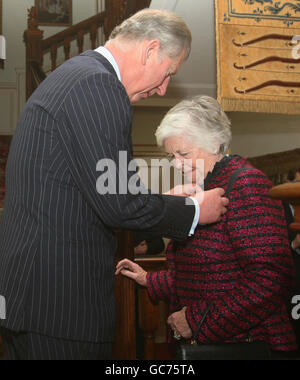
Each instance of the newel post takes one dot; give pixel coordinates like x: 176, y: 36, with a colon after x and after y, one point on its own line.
x: 115, y: 14
x: 33, y: 40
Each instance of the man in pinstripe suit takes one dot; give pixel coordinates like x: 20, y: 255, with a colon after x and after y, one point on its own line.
x: 56, y: 236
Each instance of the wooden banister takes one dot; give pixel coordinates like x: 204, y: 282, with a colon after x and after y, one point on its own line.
x: 290, y: 193
x: 71, y: 33
x: 277, y: 165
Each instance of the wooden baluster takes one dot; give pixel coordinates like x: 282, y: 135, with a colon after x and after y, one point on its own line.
x: 67, y: 47
x: 125, y: 342
x: 149, y: 322
x: 80, y: 40
x: 33, y: 39
x: 149, y: 313
x: 53, y: 52
x: 93, y: 36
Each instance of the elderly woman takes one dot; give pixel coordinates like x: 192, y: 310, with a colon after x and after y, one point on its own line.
x: 239, y: 271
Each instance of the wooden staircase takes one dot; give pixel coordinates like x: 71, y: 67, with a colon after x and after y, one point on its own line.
x: 37, y: 47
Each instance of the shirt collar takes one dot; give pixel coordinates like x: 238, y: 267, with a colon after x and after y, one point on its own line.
x: 107, y: 54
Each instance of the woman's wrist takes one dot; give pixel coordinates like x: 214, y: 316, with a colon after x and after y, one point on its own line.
x: 144, y: 279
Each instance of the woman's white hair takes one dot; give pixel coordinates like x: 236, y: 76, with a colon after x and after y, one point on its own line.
x: 154, y: 24
x: 201, y: 120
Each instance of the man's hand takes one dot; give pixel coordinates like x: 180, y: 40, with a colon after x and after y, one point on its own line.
x: 179, y: 324
x: 213, y: 205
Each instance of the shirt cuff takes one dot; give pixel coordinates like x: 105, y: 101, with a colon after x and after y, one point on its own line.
x: 197, y: 216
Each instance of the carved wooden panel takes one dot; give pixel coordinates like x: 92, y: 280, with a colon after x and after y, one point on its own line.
x: 258, y: 57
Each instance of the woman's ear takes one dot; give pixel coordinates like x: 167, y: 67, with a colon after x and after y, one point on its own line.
x: 150, y: 50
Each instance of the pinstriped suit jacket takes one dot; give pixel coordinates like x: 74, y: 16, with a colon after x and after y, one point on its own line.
x: 56, y: 236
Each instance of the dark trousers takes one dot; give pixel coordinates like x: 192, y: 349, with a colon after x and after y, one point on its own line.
x: 32, y: 346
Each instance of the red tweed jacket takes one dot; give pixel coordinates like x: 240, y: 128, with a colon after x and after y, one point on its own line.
x: 241, y: 267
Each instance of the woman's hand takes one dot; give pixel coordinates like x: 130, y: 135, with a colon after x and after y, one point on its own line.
x: 179, y: 324
x: 133, y: 271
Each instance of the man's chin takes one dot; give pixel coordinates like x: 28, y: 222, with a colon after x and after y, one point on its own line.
x: 139, y: 97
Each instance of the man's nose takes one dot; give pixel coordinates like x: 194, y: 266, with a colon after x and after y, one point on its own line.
x: 162, y: 89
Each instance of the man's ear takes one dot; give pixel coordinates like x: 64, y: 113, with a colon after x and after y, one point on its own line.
x: 150, y: 50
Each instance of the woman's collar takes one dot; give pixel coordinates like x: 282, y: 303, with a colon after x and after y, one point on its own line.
x: 219, y: 166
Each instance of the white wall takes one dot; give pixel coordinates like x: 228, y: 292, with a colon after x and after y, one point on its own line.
x: 259, y: 134
x: 198, y: 74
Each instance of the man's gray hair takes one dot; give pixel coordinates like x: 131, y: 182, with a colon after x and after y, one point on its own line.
x: 201, y: 120
x: 153, y: 24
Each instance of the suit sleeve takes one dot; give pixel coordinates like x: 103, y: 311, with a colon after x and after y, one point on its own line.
x: 265, y: 260
x: 155, y: 245
x: 93, y: 129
